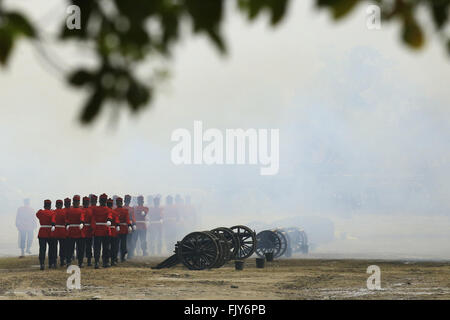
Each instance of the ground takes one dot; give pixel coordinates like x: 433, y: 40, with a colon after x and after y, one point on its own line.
x: 20, y: 278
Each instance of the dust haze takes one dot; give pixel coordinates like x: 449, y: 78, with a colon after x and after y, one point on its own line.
x: 364, y: 132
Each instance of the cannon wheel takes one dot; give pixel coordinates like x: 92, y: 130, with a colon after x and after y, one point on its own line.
x: 298, y: 240
x: 284, y: 242
x: 231, y: 238
x: 247, y: 241
x: 198, y: 251
x: 268, y: 241
x: 224, y: 250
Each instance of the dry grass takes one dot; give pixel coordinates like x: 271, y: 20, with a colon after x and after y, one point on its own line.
x: 282, y: 279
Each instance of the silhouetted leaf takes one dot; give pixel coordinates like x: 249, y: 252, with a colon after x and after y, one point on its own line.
x: 440, y: 10
x: 278, y: 10
x: 20, y: 25
x: 339, y: 8
x: 93, y: 106
x: 412, y: 33
x: 6, y: 45
x: 81, y: 77
x: 137, y: 95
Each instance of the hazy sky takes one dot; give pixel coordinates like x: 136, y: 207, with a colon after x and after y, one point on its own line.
x: 358, y: 113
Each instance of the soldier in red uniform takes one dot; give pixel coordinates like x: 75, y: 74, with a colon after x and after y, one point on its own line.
x: 140, y: 213
x: 87, y: 230
x: 125, y: 227
x: 45, y: 219
x: 131, y: 235
x: 170, y: 223
x: 101, y: 220
x: 113, y: 230
x: 60, y: 232
x: 75, y: 221
x: 155, y: 215
x: 67, y: 205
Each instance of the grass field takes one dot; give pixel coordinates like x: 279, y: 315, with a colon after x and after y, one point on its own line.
x: 282, y: 279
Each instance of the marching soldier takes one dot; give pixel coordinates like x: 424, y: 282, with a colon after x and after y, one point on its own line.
x: 75, y: 221
x: 170, y: 223
x: 131, y: 235
x: 191, y: 214
x: 140, y: 213
x: 26, y: 224
x: 155, y: 214
x: 101, y: 220
x: 182, y: 222
x: 125, y: 227
x: 45, y: 219
x: 149, y: 205
x: 88, y: 230
x: 60, y: 233
x: 113, y: 230
x: 67, y: 205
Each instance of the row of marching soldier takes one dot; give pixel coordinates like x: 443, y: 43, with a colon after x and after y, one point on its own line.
x: 111, y: 229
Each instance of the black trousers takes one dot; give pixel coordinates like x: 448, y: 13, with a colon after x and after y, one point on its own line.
x: 88, y: 247
x: 123, y: 245
x: 71, y: 247
x: 60, y: 244
x: 114, y: 245
x: 101, y: 244
x: 43, y: 243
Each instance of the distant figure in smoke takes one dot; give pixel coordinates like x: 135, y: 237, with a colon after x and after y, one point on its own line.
x: 190, y: 214
x: 155, y: 214
x: 26, y: 224
x: 47, y: 227
x: 149, y: 205
x: 170, y: 224
x: 182, y: 222
x: 140, y: 214
x: 130, y: 235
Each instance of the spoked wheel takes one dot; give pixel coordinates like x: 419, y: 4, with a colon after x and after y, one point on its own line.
x: 198, y: 251
x: 247, y: 241
x: 231, y: 238
x: 284, y: 242
x: 224, y: 250
x: 267, y: 241
x: 297, y: 239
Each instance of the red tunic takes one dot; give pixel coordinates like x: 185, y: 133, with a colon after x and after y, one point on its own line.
x: 87, y: 230
x: 115, y: 223
x: 131, y: 214
x: 45, y: 219
x: 99, y: 217
x: 75, y: 216
x: 140, y: 212
x: 124, y: 219
x: 59, y: 219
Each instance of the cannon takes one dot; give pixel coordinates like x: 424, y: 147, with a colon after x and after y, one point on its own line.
x: 281, y: 241
x: 202, y: 250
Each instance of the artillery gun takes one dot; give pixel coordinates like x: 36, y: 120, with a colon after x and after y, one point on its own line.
x: 281, y: 241
x: 212, y: 249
